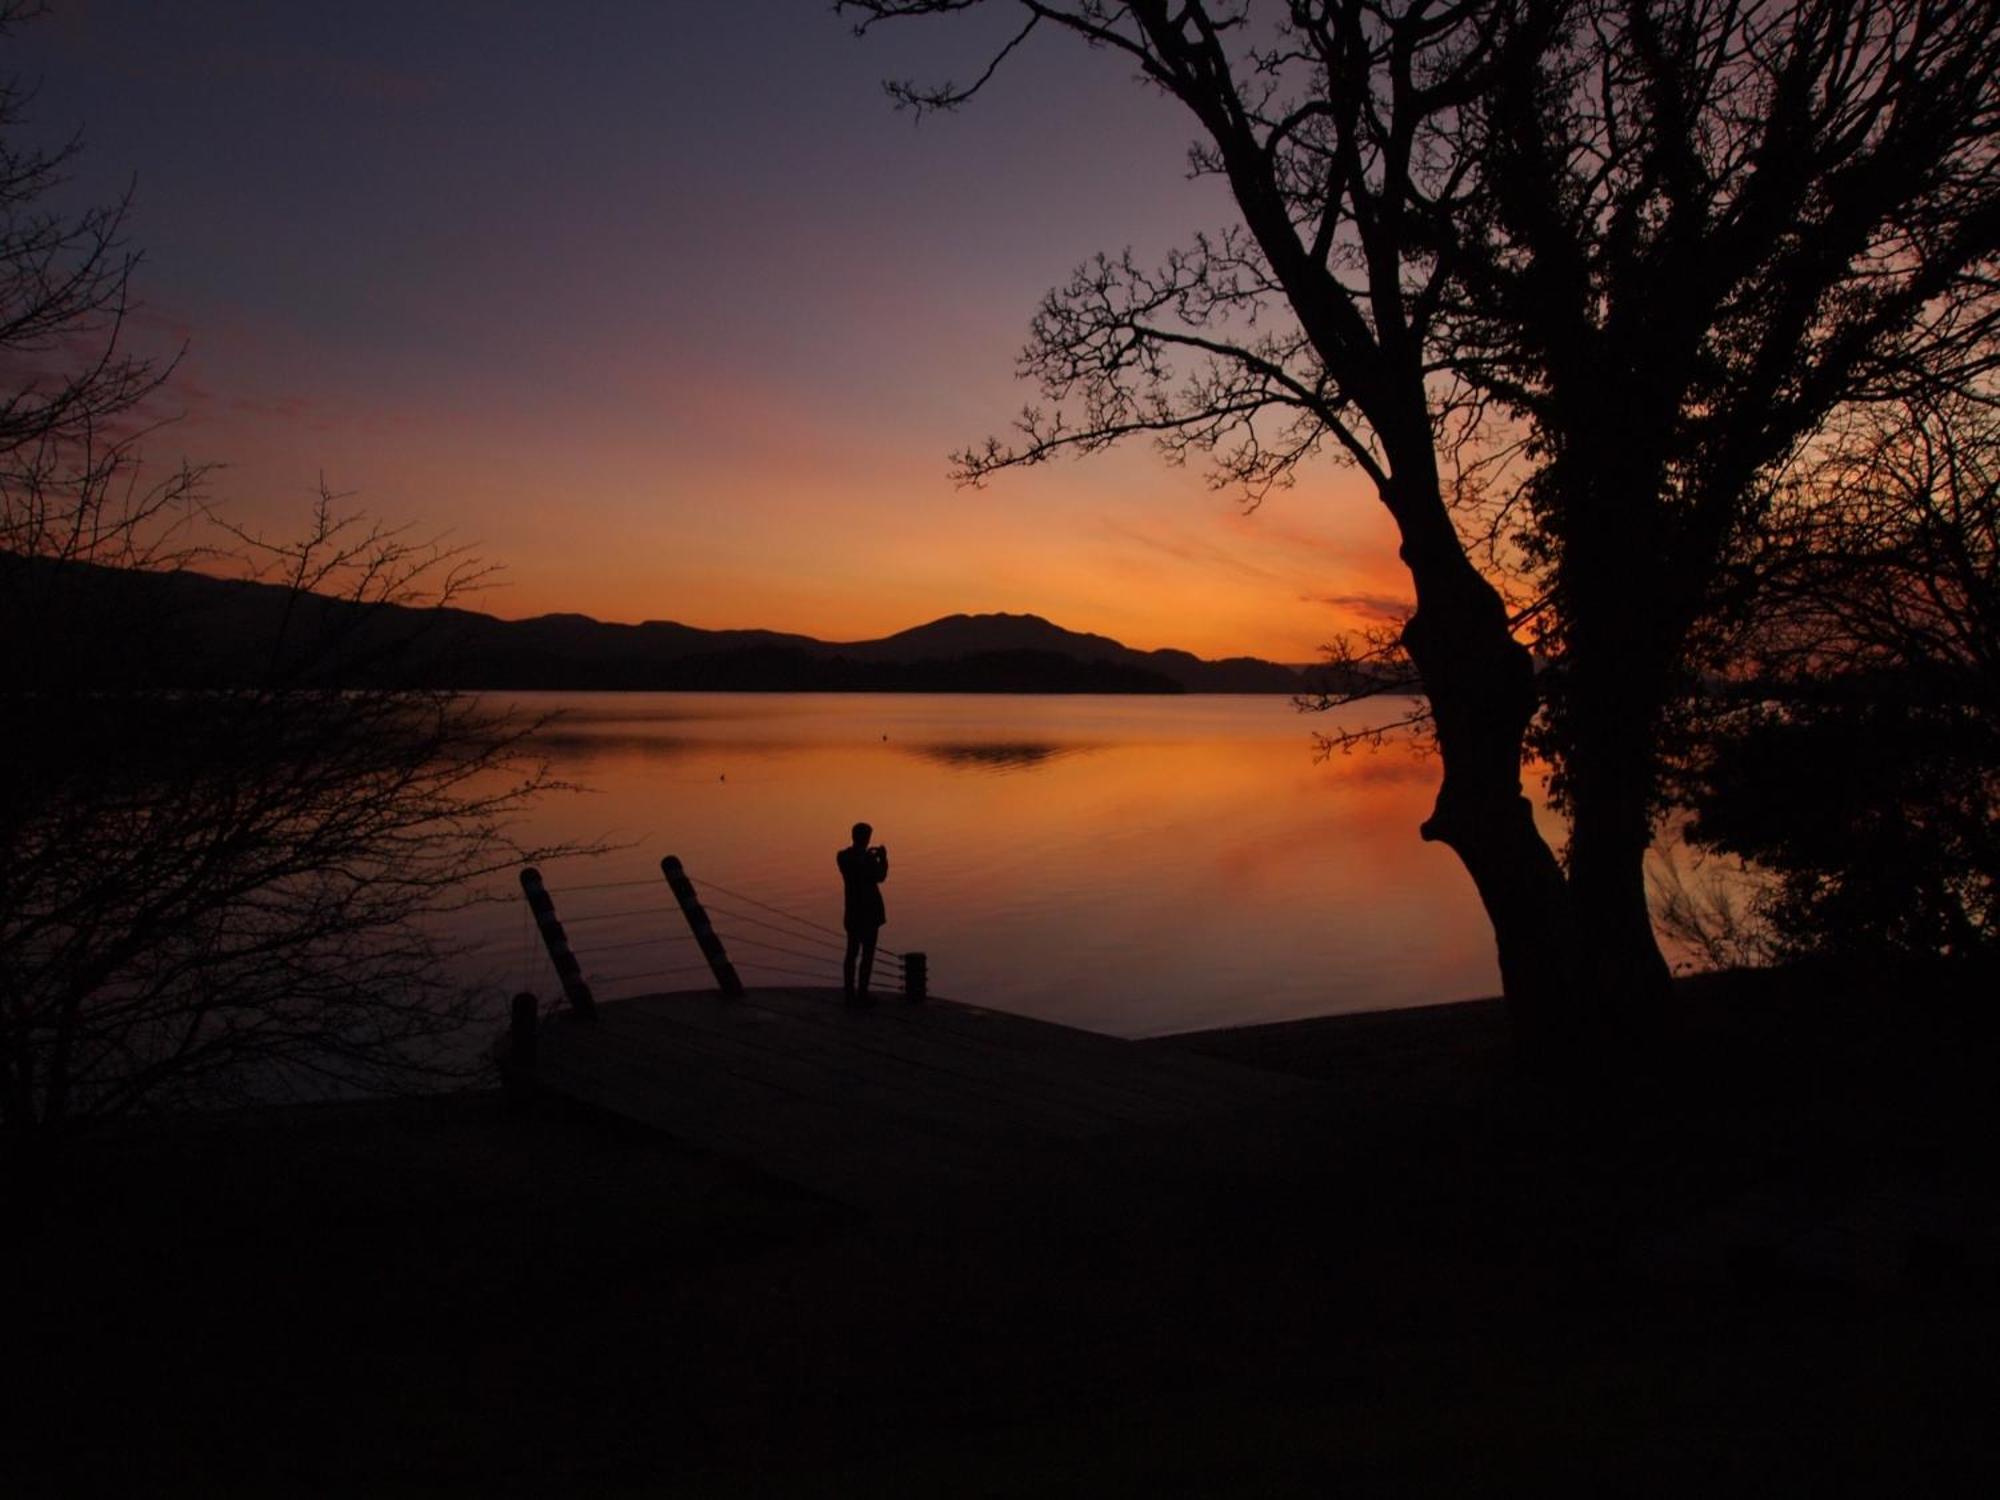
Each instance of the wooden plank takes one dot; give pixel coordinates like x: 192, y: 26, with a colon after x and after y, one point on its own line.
x: 728, y: 1087
x: 851, y: 1154
x: 935, y: 1094
x: 847, y: 1078
x: 1111, y: 1062
x: 1114, y: 1061
x: 1204, y: 1076
x: 1080, y: 1103
x: 875, y: 1105
x: 1117, y: 1084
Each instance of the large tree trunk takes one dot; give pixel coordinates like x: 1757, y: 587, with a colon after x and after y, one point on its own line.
x: 1610, y: 832
x: 1613, y: 763
x: 1621, y: 645
x: 1479, y: 679
x: 1480, y: 682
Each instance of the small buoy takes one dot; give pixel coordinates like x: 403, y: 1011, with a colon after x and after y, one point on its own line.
x: 723, y: 777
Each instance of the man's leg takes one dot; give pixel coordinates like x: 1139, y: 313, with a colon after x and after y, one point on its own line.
x: 847, y: 964
x: 867, y: 956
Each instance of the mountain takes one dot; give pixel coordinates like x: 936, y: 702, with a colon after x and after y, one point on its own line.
x: 957, y: 636
x: 203, y: 631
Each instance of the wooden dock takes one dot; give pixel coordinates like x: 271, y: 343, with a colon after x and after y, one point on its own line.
x: 879, y: 1105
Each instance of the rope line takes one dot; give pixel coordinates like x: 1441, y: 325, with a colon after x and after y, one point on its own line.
x: 648, y: 974
x: 816, y: 958
x: 612, y: 916
x: 473, y: 942
x: 744, y: 916
x: 800, y: 930
x: 776, y: 910
x: 765, y: 966
x: 671, y: 937
x: 604, y: 885
x: 788, y: 916
x: 799, y: 937
x: 501, y: 925
x: 641, y: 993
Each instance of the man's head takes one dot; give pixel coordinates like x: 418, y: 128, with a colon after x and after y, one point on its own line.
x: 861, y: 832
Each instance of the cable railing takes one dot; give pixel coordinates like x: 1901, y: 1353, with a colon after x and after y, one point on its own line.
x: 839, y: 937
x: 772, y: 944
x: 613, y: 916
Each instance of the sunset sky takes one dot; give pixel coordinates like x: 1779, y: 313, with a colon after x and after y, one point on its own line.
x: 669, y: 311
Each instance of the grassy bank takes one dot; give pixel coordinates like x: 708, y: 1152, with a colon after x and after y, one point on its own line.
x: 1757, y: 1257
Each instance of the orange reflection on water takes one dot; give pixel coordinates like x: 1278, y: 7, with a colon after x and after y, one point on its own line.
x: 1132, y: 865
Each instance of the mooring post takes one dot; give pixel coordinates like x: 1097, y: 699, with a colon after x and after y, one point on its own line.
x: 518, y: 1068
x: 916, y: 977
x: 701, y: 927
x: 523, y: 1023
x: 557, y: 942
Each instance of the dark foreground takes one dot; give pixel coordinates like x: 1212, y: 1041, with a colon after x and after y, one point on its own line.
x: 1762, y: 1259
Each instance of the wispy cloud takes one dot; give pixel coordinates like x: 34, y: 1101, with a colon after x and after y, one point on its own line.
x: 1374, y: 609
x: 1180, y: 546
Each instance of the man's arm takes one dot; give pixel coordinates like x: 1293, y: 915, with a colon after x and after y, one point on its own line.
x: 881, y: 865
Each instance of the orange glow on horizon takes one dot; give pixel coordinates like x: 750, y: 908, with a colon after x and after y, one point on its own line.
x: 697, y: 352
x: 852, y: 539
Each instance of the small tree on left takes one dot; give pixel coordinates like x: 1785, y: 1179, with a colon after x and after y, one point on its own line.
x: 219, y: 874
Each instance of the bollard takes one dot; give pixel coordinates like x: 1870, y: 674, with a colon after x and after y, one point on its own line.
x: 916, y: 977
x: 575, y: 990
x: 726, y: 979
x: 517, y: 1070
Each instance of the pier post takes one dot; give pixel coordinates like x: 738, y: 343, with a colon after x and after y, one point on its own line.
x: 523, y: 1025
x: 916, y: 976
x: 557, y: 942
x: 726, y: 979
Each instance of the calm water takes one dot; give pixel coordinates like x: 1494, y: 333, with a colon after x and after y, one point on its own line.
x: 1131, y: 865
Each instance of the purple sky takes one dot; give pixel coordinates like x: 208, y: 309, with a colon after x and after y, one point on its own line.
x: 668, y: 309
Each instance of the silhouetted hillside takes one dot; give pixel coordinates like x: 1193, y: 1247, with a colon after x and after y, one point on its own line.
x: 959, y: 635
x: 190, y: 629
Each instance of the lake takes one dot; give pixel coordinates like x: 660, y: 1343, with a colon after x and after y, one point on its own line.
x: 1134, y: 865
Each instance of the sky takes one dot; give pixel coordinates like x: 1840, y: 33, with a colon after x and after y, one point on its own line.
x: 666, y: 310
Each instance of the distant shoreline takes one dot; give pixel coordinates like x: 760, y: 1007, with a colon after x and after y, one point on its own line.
x: 189, y: 629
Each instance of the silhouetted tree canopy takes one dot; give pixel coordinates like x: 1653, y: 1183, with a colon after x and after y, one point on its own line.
x: 1858, y: 760
x: 1576, y: 284
x: 1707, y: 235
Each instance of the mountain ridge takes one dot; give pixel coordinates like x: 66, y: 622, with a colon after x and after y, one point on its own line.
x: 214, y: 630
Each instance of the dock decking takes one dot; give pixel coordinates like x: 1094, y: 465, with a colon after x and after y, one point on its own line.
x: 876, y: 1105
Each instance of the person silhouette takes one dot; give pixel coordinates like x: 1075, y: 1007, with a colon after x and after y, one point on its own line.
x: 862, y: 871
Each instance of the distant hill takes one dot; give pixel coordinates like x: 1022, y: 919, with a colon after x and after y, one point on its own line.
x: 957, y: 636
x: 220, y: 630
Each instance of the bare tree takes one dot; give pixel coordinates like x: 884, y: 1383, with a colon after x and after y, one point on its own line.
x: 226, y: 892
x: 1312, y: 327
x: 74, y: 399
x: 212, y: 882
x: 1572, y: 282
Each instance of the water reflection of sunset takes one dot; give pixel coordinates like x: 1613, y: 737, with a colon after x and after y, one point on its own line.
x: 1136, y: 865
